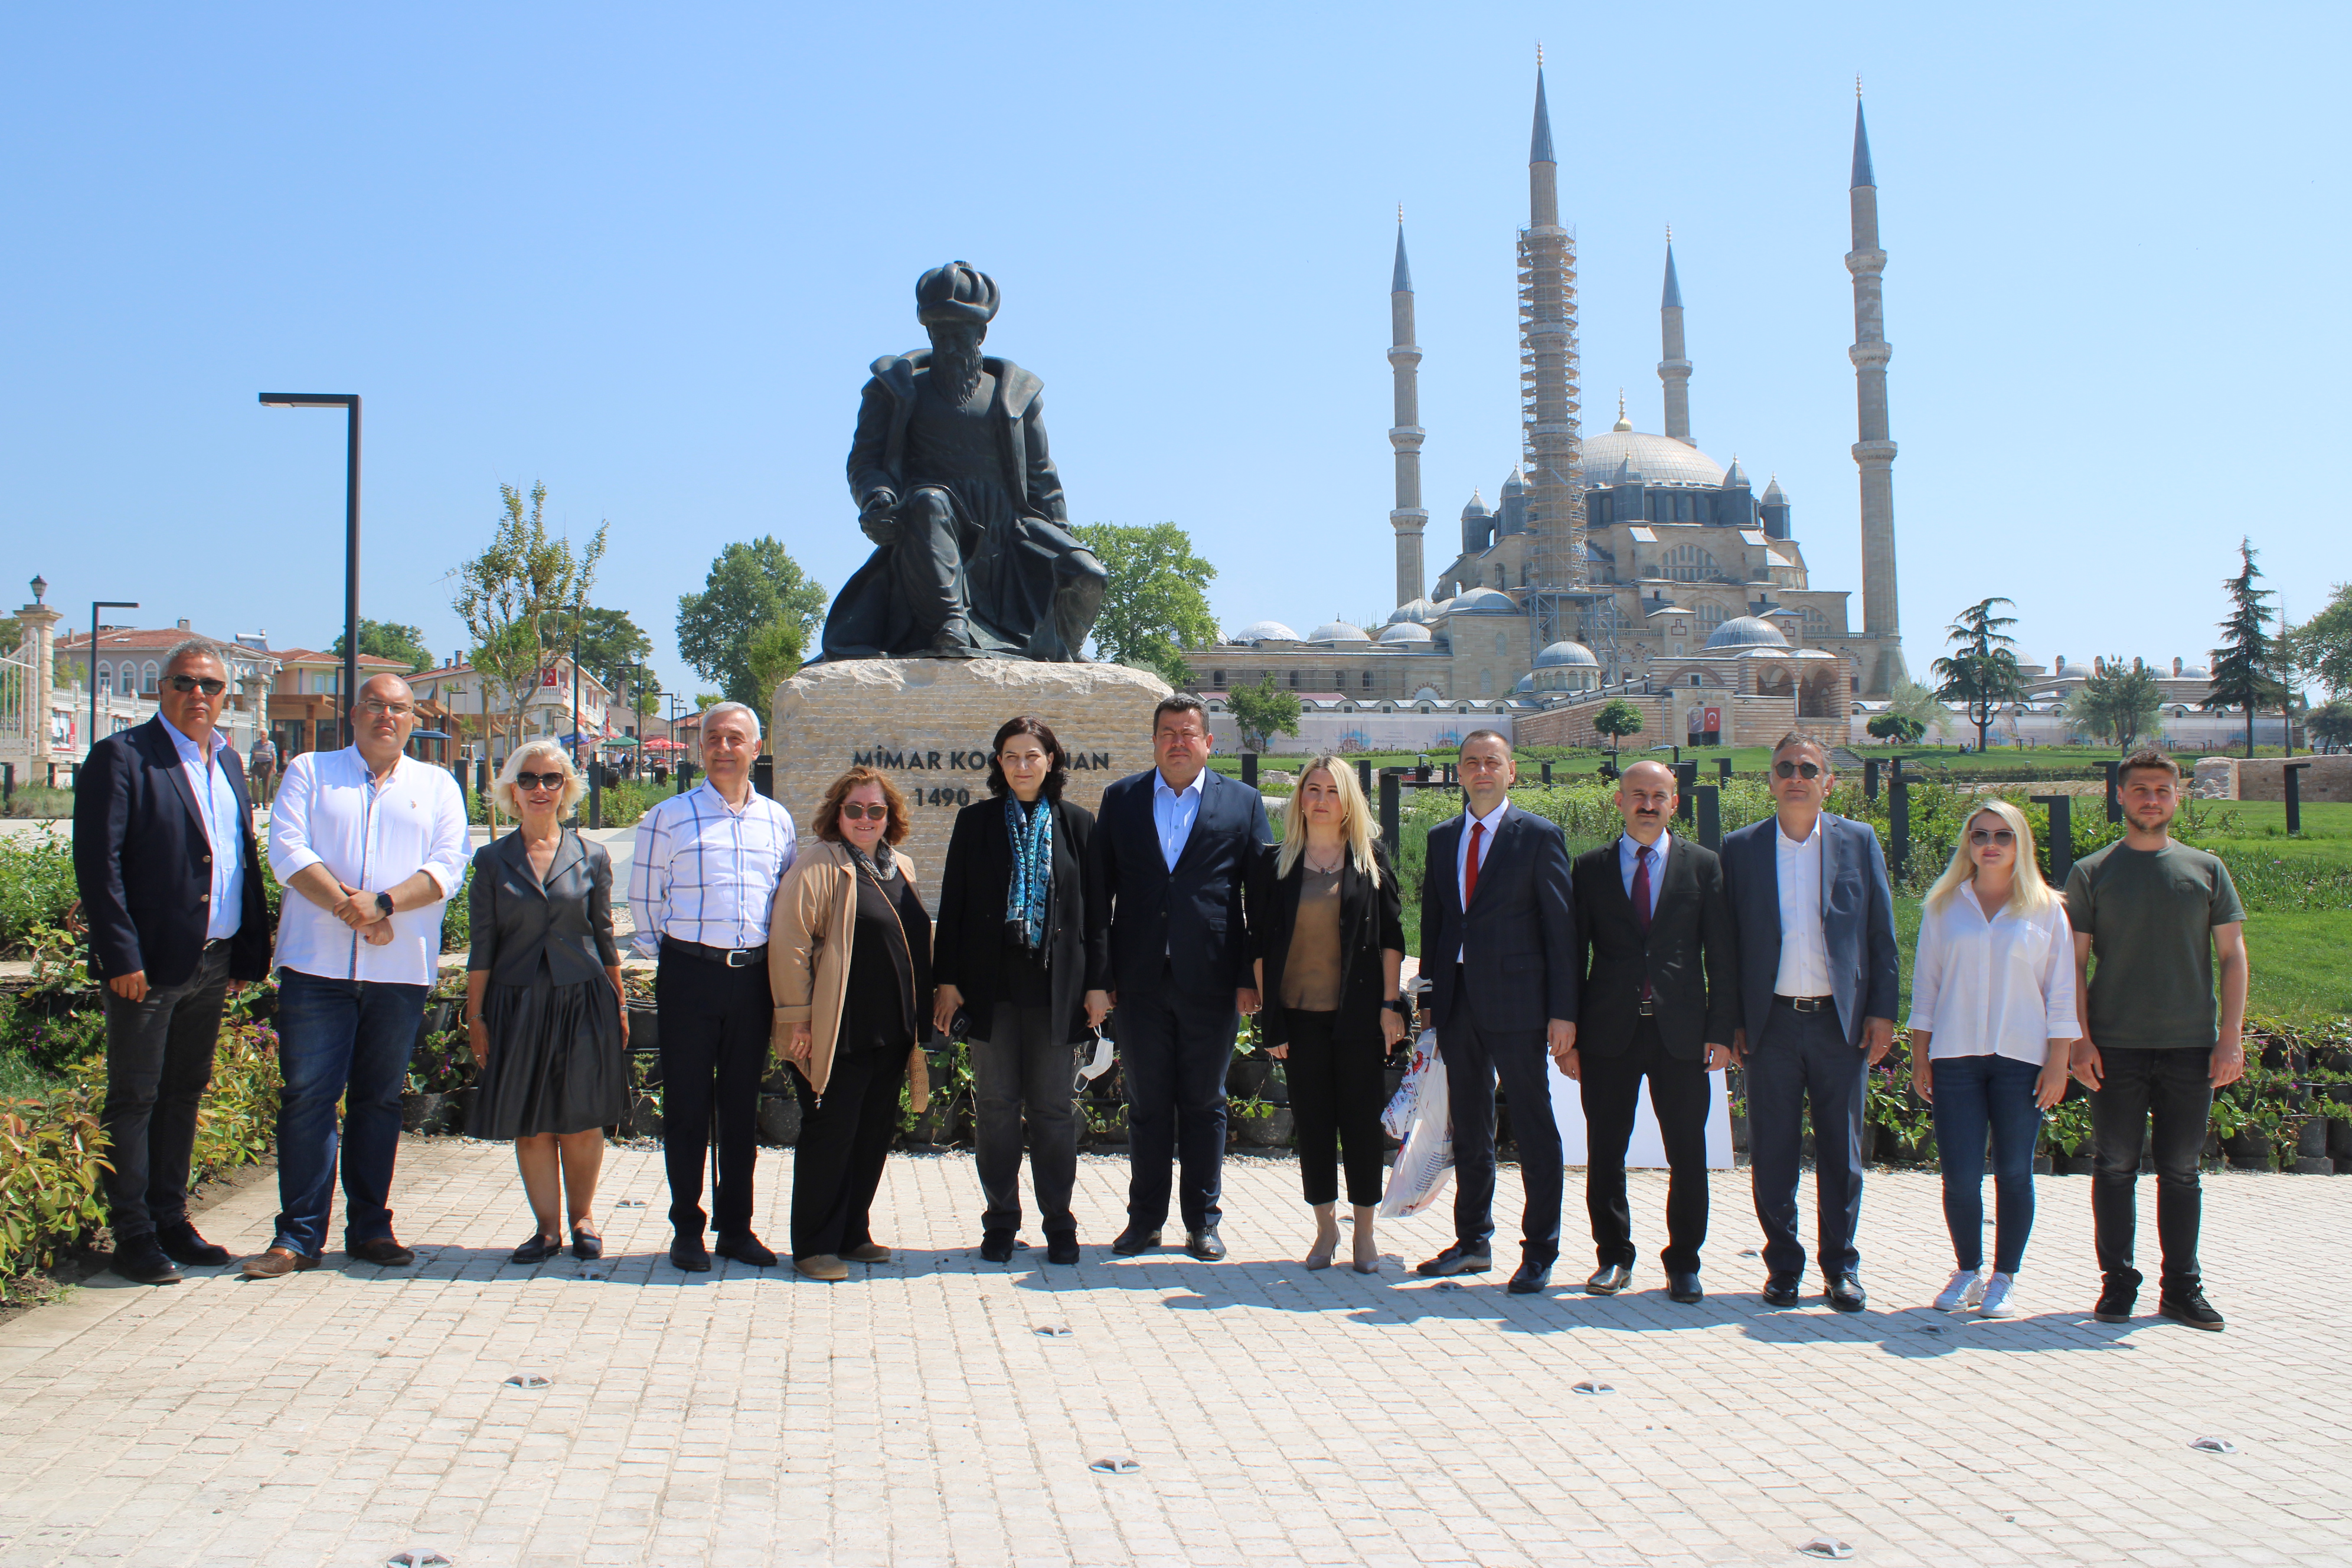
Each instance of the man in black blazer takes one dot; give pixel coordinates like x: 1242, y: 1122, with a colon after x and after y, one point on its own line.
x: 1659, y: 1000
x: 1817, y: 990
x: 1498, y: 945
x: 1172, y: 850
x: 171, y: 891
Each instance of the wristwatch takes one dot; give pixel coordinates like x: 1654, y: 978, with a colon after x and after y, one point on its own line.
x: 384, y: 904
x: 1394, y: 1003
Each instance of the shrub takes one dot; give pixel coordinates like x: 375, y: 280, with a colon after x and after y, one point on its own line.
x: 50, y: 1166
x: 37, y: 888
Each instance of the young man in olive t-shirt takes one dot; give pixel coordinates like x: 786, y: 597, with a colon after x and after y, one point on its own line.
x: 2154, y: 913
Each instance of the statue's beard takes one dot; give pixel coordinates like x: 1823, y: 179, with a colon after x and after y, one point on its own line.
x: 956, y: 365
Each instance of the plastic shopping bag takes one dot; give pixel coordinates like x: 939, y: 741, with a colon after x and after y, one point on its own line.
x: 1418, y: 1116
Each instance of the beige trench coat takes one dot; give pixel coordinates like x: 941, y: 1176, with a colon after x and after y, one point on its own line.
x: 809, y: 932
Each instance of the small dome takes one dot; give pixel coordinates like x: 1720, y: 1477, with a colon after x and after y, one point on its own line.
x: 1265, y: 631
x: 1516, y: 482
x: 1482, y: 601
x: 1526, y: 683
x: 1427, y: 694
x: 1566, y: 653
x: 1418, y: 611
x: 1406, y: 632
x: 1338, y: 631
x: 1746, y: 631
x: 2195, y: 672
x: 1477, y: 507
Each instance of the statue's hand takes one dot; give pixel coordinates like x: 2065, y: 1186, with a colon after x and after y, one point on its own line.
x: 876, y: 518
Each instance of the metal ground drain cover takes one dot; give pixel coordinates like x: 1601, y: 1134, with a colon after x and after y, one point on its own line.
x: 1827, y: 1546
x: 1115, y: 1465
x: 526, y: 1379
x: 1749, y: 1252
x: 1053, y: 1331
x: 630, y: 1204
x: 1591, y: 1387
x: 1449, y: 1284
x: 594, y: 1274
x: 416, y: 1560
x: 2214, y: 1445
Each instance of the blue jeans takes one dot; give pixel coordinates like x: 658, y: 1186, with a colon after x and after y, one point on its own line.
x: 1973, y: 1093
x: 347, y: 1040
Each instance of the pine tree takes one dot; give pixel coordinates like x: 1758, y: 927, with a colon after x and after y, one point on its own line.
x: 1982, y: 675
x: 2245, y: 667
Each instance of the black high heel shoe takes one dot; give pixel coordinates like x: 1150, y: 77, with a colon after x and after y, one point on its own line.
x: 538, y: 1249
x: 585, y: 1244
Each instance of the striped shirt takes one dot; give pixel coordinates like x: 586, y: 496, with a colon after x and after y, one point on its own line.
x: 704, y: 871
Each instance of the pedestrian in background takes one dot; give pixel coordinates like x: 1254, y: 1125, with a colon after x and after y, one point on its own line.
x: 261, y: 768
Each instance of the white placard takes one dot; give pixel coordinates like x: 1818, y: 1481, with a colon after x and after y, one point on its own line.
x: 1645, y: 1150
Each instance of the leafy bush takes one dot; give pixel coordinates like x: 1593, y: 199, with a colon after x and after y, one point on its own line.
x: 37, y: 888
x: 50, y: 1166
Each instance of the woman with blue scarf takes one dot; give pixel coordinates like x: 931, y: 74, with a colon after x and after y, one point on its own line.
x: 1015, y: 953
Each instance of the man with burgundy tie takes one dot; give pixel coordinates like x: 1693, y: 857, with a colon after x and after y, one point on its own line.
x: 1659, y: 1000
x: 1498, y: 945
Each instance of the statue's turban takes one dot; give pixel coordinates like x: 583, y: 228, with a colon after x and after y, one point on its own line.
x: 955, y: 295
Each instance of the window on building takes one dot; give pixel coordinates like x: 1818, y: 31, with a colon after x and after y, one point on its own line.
x: 149, y: 676
x: 1217, y: 679
x: 1368, y: 680
x: 1709, y: 618
x: 106, y: 678
x: 1485, y: 682
x: 1502, y: 644
x: 1694, y: 681
x: 1294, y: 680
x: 1690, y: 564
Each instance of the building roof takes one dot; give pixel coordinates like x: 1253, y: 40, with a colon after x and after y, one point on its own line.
x: 312, y: 655
x: 153, y: 640
x: 1745, y: 631
x: 1419, y: 610
x: 1338, y: 631
x: 1659, y: 459
x: 1539, y: 143
x: 1735, y: 478
x: 1862, y: 174
x: 1265, y: 631
x: 1401, y: 282
x: 1773, y: 494
x: 1567, y: 654
x: 1481, y: 601
x: 1406, y: 632
x: 1672, y: 299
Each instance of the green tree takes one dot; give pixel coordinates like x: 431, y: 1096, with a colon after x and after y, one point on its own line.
x: 613, y: 649
x: 2119, y: 703
x: 750, y: 587
x: 1897, y: 728
x: 773, y: 654
x: 704, y: 701
x: 1617, y: 719
x: 1155, y: 604
x: 390, y: 639
x: 516, y: 599
x: 1982, y: 675
x: 1263, y: 712
x: 2246, y: 666
x: 1918, y: 703
x: 2331, y: 724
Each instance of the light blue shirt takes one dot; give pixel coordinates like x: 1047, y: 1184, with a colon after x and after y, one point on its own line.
x: 224, y: 828
x: 1173, y: 812
x: 1628, y: 847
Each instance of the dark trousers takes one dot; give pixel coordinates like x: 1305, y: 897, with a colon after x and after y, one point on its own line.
x: 1025, y: 1068
x: 927, y: 563
x: 714, y: 1024
x: 347, y: 1040
x: 1611, y: 1091
x: 1476, y: 1060
x: 1336, y: 1095
x: 1174, y: 1050
x: 1805, y: 1057
x: 837, y: 1163
x: 2165, y: 1098
x: 158, y: 1057
x: 1974, y: 1095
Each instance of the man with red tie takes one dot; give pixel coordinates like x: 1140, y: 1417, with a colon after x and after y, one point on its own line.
x: 1498, y: 945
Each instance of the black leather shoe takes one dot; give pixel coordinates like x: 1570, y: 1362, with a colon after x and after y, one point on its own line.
x: 585, y: 1246
x: 688, y: 1252
x: 1530, y: 1279
x: 2189, y: 1307
x: 1780, y: 1291
x: 184, y: 1246
x: 1135, y: 1240
x: 1453, y: 1260
x: 538, y: 1249
x: 1684, y: 1288
x: 1609, y: 1278
x: 1062, y: 1247
x: 1845, y: 1293
x: 144, y: 1263
x: 746, y: 1248
x: 996, y: 1247
x: 1204, y: 1245
x: 383, y: 1251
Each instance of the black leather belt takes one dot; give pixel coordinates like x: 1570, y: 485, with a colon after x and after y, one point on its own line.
x: 1806, y: 1004
x: 732, y: 957
x: 1648, y: 1009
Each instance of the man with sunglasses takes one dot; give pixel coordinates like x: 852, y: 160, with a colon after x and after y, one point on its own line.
x: 370, y: 844
x: 1817, y: 980
x: 171, y: 888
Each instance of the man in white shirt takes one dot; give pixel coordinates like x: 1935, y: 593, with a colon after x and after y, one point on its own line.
x: 370, y: 844
x: 702, y: 883
x: 1817, y: 988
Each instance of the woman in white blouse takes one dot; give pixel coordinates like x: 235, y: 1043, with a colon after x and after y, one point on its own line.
x: 1992, y: 1025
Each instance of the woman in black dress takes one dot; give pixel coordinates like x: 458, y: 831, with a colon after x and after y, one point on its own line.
x: 548, y: 1031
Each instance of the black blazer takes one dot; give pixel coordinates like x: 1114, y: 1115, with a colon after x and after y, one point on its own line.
x: 143, y: 864
x: 969, y: 942
x: 1370, y: 920
x: 1857, y: 922
x: 1689, y: 957
x: 1518, y: 938
x: 1191, y: 919
x: 516, y: 922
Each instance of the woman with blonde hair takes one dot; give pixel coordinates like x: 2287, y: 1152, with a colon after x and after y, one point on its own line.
x: 1992, y: 1029
x: 549, y: 1032
x: 1335, y: 941
x: 849, y: 962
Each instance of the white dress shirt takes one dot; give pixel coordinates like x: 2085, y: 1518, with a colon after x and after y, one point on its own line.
x: 224, y: 830
x: 1173, y: 812
x: 705, y: 871
x: 1628, y: 850
x: 330, y: 812
x: 2002, y: 987
x: 1804, y: 955
x: 1491, y: 821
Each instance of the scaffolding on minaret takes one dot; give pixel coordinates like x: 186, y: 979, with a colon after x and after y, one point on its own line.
x: 1549, y: 403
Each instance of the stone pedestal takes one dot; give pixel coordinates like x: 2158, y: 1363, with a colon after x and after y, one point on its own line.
x: 928, y: 724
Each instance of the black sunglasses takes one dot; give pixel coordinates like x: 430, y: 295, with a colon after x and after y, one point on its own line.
x: 203, y: 683
x: 1796, y: 770
x: 538, y: 781
x: 857, y: 813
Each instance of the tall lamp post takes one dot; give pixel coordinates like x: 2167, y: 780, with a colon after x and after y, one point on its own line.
x: 95, y: 605
x: 350, y: 403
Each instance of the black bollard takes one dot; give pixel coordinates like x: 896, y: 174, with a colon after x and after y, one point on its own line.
x: 2115, y: 794
x: 1898, y: 823
x: 1686, y: 786
x: 1710, y: 799
x: 1391, y: 789
x: 2293, y: 772
x: 1870, y: 778
x: 1546, y: 773
x: 764, y: 775
x: 2061, y: 835
x: 482, y: 776
x: 1723, y: 768
x: 1364, y: 775
x: 1249, y: 769
x: 595, y: 792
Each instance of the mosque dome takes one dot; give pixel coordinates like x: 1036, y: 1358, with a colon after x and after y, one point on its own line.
x: 1481, y: 601
x: 1338, y: 631
x: 1746, y: 631
x: 1566, y: 653
x: 1476, y: 507
x: 1406, y: 632
x: 1659, y: 459
x: 1565, y: 667
x: 1526, y: 683
x: 1265, y: 631
x: 1419, y: 610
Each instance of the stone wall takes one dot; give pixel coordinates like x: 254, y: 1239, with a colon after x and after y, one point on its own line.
x: 928, y: 724
x: 2264, y: 778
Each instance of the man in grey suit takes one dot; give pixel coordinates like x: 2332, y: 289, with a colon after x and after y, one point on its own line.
x: 1817, y: 996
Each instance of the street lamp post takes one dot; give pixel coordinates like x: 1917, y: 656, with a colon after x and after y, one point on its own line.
x: 95, y: 605
x: 350, y: 403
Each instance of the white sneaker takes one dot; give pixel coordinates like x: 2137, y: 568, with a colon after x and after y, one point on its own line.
x: 1997, y: 1302
x: 1965, y: 1289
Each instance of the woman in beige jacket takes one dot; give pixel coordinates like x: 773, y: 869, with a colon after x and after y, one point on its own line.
x: 849, y: 962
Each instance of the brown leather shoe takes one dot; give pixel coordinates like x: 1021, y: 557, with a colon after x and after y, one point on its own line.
x: 866, y: 1252
x: 383, y: 1251
x: 277, y: 1263
x: 823, y: 1266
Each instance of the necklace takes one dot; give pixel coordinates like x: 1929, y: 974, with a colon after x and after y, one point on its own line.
x: 1309, y: 856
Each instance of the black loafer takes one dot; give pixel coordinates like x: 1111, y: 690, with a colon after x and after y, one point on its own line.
x: 538, y: 1249
x: 688, y: 1252
x: 1780, y: 1291
x: 1530, y: 1279
x: 1846, y: 1294
x: 1684, y: 1288
x: 746, y: 1248
x: 1609, y: 1278
x: 996, y: 1247
x: 383, y: 1251
x: 1455, y: 1260
x: 1204, y: 1245
x: 144, y: 1263
x: 1135, y: 1239
x: 1062, y: 1247
x: 586, y: 1246
x: 184, y: 1246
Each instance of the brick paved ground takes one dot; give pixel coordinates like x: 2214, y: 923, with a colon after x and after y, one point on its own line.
x: 914, y: 1415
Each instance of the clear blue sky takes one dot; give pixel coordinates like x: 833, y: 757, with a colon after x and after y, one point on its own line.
x: 646, y: 258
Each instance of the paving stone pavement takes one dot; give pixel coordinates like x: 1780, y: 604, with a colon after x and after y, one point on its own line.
x: 914, y: 1415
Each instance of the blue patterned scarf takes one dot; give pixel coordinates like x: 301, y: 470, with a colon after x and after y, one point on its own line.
x: 1032, y: 833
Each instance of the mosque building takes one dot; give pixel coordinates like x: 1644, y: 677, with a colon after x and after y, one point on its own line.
x: 1619, y: 564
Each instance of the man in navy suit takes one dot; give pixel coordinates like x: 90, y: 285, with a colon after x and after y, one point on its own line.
x: 171, y: 891
x: 1498, y: 945
x: 1172, y: 850
x: 1817, y: 991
